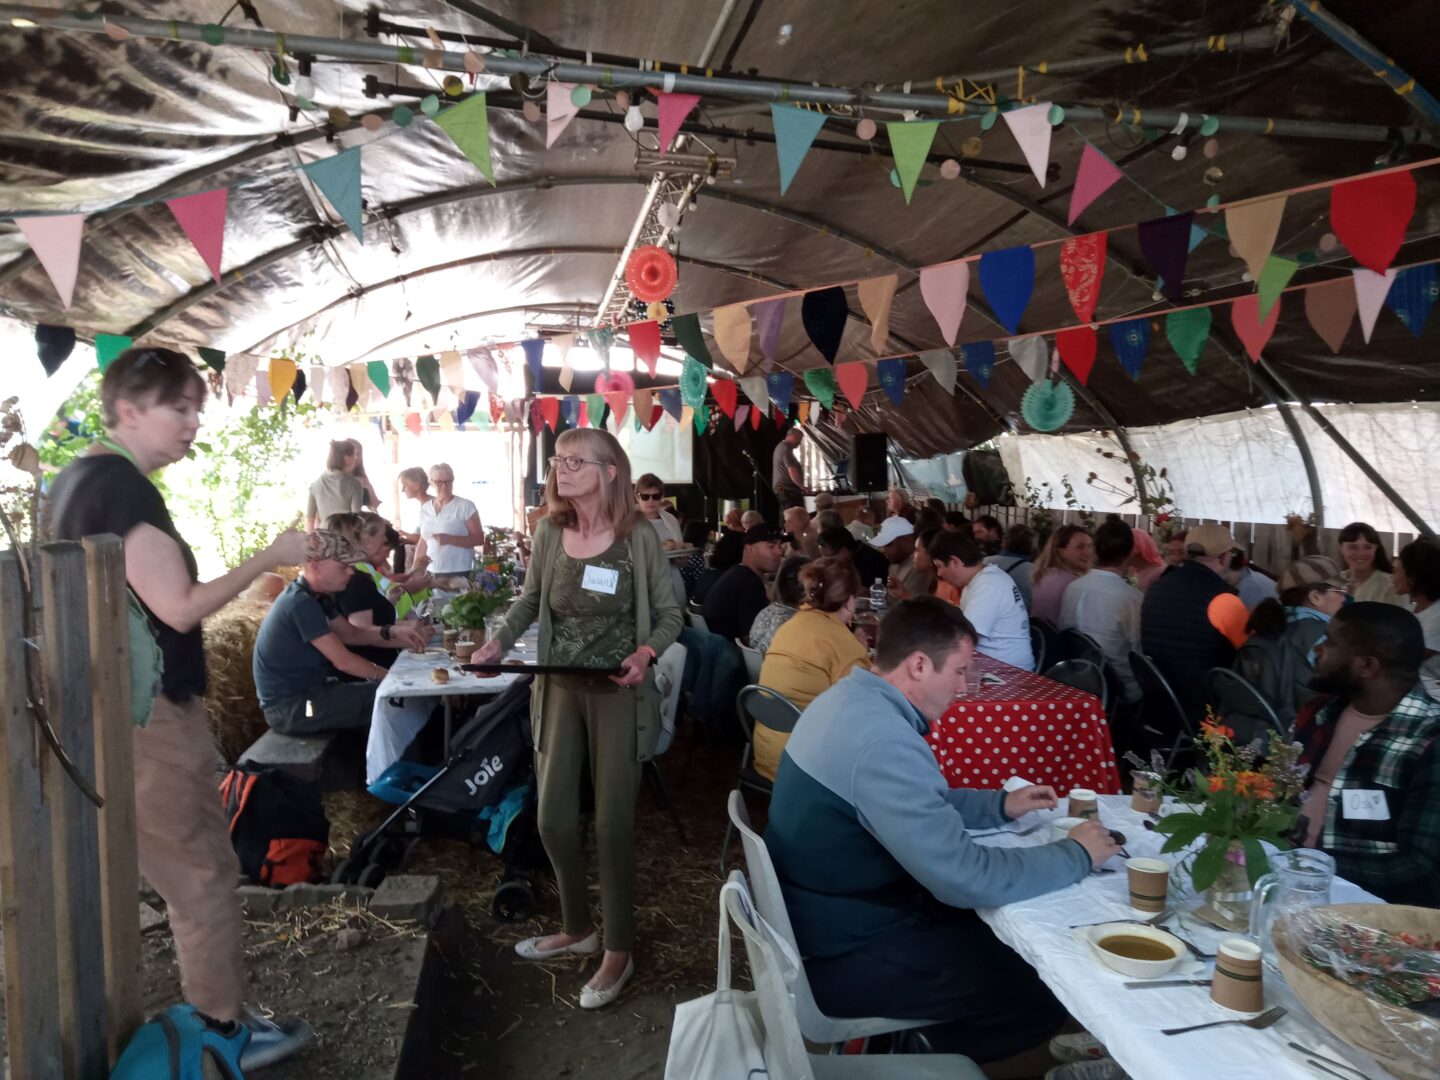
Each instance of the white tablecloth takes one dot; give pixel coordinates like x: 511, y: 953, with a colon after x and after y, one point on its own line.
x: 402, y: 702
x: 1128, y: 1022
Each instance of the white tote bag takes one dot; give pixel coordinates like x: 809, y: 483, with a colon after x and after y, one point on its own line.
x: 718, y: 1036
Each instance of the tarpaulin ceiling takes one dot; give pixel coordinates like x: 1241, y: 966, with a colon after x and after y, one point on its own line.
x: 89, y: 124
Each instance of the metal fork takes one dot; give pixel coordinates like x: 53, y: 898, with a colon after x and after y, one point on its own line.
x: 1264, y: 1020
x: 1148, y: 921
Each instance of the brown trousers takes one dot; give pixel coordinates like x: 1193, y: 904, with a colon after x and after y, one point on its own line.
x: 185, y: 853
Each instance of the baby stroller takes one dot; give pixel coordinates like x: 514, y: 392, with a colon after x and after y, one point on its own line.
x: 484, y: 794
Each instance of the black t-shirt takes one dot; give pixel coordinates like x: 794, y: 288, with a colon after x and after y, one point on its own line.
x: 733, y: 602
x: 105, y: 493
x: 362, y: 594
x: 870, y: 564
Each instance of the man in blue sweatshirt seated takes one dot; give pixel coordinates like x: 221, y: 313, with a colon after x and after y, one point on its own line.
x: 879, y: 875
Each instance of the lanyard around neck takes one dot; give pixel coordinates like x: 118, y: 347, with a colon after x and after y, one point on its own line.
x: 116, y: 448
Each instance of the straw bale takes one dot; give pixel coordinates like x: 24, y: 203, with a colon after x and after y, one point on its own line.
x: 230, y: 702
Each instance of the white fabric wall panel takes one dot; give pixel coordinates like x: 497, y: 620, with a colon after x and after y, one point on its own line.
x: 1401, y: 441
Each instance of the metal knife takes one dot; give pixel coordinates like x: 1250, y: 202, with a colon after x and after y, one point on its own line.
x: 1149, y: 984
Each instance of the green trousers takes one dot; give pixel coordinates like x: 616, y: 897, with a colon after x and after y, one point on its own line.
x: 594, y: 728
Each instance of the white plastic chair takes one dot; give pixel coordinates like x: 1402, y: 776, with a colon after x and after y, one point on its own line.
x: 765, y: 884
x: 698, y: 621
x: 753, y: 659
x: 785, y: 1055
x: 669, y: 671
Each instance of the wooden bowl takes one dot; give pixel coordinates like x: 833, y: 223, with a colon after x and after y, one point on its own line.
x: 1352, y: 1015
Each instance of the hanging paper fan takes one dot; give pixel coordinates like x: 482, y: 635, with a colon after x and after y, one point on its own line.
x: 650, y: 272
x: 1047, y: 405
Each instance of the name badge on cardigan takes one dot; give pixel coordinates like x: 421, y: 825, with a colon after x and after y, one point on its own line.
x: 598, y: 579
x: 1366, y: 805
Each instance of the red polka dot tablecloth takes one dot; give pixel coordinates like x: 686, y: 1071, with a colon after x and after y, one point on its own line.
x: 1027, y: 726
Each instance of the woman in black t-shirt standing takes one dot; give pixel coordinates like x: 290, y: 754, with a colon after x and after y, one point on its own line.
x: 150, y: 401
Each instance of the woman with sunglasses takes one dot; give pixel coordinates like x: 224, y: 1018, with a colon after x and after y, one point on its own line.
x: 650, y: 498
x: 599, y: 584
x: 1279, y: 659
x: 150, y: 401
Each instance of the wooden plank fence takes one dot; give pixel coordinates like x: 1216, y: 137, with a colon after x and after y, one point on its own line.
x: 68, y: 872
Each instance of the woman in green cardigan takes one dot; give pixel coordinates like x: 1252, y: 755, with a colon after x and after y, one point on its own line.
x: 601, y: 590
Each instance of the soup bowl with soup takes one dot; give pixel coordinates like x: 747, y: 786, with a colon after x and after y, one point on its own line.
x: 1136, y: 950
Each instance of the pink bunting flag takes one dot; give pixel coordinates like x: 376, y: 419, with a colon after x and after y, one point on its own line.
x: 202, y: 216
x: 1096, y: 175
x: 55, y: 239
x: 945, y: 289
x: 560, y: 109
x: 1031, y: 128
x: 1249, y: 327
x: 853, y: 379
x: 673, y: 110
x: 741, y: 415
x: 619, y: 402
x: 1370, y: 292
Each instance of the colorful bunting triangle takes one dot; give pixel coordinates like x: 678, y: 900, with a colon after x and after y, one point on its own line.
x: 1253, y: 331
x: 1082, y: 268
x: 1008, y: 278
x: 466, y: 409
x: 1095, y: 176
x: 1330, y: 308
x: 1031, y: 355
x: 1031, y: 127
x: 781, y: 385
x: 1252, y: 228
x: 702, y: 417
x: 756, y: 390
x: 945, y: 289
x: 731, y: 328
x: 941, y: 364
x: 823, y: 313
x: 1370, y: 216
x: 109, y: 346
x: 1370, y: 292
x: 852, y: 379
x: 534, y: 349
x: 726, y: 393
x: 980, y: 359
x: 55, y: 239
x: 687, y: 334
x: 768, y: 317
x: 593, y: 411
x: 821, y: 383
x: 468, y: 125
x: 673, y: 109
x: 1131, y: 341
x: 214, y: 358
x: 876, y: 295
x: 1165, y: 243
x: 1273, y: 279
x: 427, y: 370
x: 1187, y: 332
x: 1413, y: 294
x: 795, y: 130
x: 891, y: 374
x: 1078, y: 346
x: 560, y: 109
x: 670, y: 402
x: 282, y: 377
x: 645, y: 343
x: 202, y: 216
x: 910, y: 144
x: 379, y: 376
x: 339, y: 179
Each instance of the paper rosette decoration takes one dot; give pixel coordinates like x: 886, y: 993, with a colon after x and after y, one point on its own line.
x: 1047, y: 405
x: 651, y: 274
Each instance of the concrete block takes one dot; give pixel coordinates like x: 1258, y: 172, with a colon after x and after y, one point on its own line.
x: 413, y: 897
x: 150, y: 919
x: 258, y: 901
x: 300, y: 756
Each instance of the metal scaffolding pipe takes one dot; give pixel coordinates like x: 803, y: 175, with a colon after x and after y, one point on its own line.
x: 706, y: 84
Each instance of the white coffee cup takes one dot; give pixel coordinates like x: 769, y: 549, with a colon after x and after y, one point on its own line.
x: 1060, y: 827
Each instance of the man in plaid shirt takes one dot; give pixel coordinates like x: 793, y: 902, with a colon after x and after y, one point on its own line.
x: 1372, y: 751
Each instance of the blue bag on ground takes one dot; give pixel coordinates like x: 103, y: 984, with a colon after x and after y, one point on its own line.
x: 183, y: 1044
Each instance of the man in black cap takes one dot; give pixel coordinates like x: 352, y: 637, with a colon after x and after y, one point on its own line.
x: 739, y: 595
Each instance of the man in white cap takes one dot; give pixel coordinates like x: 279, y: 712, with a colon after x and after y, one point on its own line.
x: 1191, y: 620
x: 895, y: 539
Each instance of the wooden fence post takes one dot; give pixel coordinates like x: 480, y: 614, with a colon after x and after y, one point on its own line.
x: 115, y: 765
x: 79, y: 929
x: 32, y: 986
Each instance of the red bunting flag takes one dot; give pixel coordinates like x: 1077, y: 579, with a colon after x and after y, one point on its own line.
x: 725, y: 392
x: 413, y: 424
x: 550, y: 411
x: 619, y: 402
x: 1370, y: 216
x: 202, y: 216
x: 1077, y: 347
x: 1082, y: 266
x: 656, y: 412
x: 1249, y: 328
x: 755, y: 415
x: 645, y: 342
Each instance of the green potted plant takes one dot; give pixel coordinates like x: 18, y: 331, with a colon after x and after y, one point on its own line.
x: 490, y: 589
x: 1236, y: 804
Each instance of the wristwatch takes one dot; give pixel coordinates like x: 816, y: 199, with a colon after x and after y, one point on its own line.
x: 653, y: 658
x: 384, y: 633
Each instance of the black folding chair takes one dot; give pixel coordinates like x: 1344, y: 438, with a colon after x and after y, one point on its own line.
x: 1044, y: 642
x: 1078, y: 645
x: 757, y: 705
x: 1161, y: 714
x: 1083, y: 675
x: 1242, y: 706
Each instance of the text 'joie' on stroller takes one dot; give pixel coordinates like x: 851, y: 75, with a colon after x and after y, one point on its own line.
x: 484, y: 794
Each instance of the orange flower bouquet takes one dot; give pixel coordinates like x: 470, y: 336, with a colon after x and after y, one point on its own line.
x: 1235, y: 802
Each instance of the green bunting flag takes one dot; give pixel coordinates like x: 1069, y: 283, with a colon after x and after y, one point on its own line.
x: 1186, y: 331
x: 468, y: 124
x: 910, y: 144
x: 427, y: 370
x: 109, y: 346
x: 821, y: 383
x: 379, y: 376
x: 689, y: 337
x: 1273, y: 279
x: 214, y: 358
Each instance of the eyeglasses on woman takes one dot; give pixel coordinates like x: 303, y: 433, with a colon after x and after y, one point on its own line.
x: 573, y: 463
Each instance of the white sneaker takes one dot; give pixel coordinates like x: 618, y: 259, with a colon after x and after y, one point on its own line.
x: 598, y: 999
x: 271, y: 1041
x: 1081, y: 1046
x: 529, y: 948
x: 1094, y: 1069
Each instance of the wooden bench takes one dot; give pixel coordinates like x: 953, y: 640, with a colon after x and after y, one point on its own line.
x: 335, y: 759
